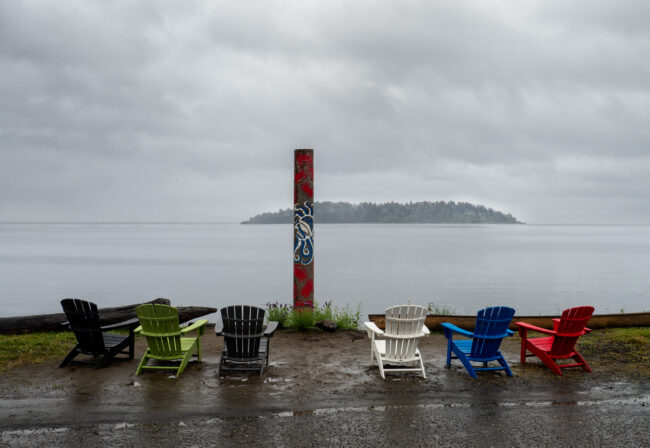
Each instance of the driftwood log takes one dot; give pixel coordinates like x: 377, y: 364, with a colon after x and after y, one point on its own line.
x: 597, y: 321
x: 107, y: 316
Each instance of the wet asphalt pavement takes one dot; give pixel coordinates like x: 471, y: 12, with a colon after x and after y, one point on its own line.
x: 320, y: 391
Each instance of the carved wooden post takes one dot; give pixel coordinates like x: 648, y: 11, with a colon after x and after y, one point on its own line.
x: 303, y: 229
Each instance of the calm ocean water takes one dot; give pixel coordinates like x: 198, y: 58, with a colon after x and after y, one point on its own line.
x: 535, y: 269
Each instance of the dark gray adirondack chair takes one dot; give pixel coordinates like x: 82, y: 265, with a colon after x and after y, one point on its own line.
x: 83, y: 320
x: 246, y: 346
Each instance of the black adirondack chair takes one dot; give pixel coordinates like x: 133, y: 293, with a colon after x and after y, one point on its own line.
x: 83, y: 320
x: 246, y: 346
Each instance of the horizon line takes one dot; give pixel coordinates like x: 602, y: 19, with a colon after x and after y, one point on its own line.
x: 241, y: 222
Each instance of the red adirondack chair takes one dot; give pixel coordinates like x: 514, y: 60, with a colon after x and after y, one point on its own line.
x: 561, y: 342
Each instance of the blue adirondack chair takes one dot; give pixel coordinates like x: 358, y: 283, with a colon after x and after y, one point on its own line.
x: 490, y: 329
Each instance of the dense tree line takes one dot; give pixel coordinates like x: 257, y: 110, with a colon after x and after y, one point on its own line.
x: 392, y: 212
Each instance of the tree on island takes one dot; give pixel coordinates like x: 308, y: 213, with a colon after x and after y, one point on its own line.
x: 439, y: 212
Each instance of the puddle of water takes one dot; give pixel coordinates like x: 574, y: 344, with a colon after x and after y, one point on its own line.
x: 33, y: 432
x: 643, y: 400
x: 277, y: 363
x: 639, y: 401
x: 278, y: 380
x: 564, y: 403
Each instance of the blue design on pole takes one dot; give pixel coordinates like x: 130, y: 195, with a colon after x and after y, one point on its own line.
x: 303, y: 223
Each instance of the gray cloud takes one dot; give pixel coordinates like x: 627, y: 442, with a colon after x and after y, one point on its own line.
x: 190, y: 111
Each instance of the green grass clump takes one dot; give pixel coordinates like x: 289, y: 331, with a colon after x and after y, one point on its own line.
x: 346, y: 318
x: 301, y: 319
x: 304, y: 318
x: 278, y: 312
x: 322, y: 312
x: 17, y: 350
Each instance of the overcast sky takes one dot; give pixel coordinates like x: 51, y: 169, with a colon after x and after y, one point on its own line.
x: 190, y: 111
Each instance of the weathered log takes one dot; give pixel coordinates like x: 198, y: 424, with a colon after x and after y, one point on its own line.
x: 597, y: 321
x: 107, y: 316
x: 187, y: 313
x: 52, y: 322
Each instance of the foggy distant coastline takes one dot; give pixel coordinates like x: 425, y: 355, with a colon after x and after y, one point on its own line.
x: 439, y: 212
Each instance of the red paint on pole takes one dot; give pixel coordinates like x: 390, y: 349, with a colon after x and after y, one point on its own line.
x: 303, y: 229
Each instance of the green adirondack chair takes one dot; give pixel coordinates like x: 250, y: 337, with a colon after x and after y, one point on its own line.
x: 159, y: 324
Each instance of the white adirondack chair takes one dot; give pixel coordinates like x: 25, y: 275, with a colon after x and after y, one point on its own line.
x: 404, y: 327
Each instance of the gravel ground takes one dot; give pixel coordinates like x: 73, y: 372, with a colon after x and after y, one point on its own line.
x: 320, y: 391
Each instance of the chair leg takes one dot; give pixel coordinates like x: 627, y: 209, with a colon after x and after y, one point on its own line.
x: 198, y: 347
x: 449, y: 352
x: 522, y: 358
x: 186, y: 359
x: 70, y: 356
x: 546, y: 360
x: 424, y: 374
x: 468, y: 365
x: 265, y: 360
x: 220, y: 365
x: 381, y: 368
x: 581, y: 360
x: 143, y: 363
x: 504, y: 364
x: 268, y: 350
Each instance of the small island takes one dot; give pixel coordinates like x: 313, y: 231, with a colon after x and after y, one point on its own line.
x: 439, y: 212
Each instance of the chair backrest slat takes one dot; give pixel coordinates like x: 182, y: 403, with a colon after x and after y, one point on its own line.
x: 402, y: 331
x: 161, y: 328
x: 83, y: 318
x: 242, y: 328
x: 571, y: 326
x: 489, y: 330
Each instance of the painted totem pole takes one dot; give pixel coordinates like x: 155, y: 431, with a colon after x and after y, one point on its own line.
x: 303, y: 229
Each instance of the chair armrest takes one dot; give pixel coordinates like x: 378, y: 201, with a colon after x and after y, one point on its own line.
x: 455, y: 329
x: 195, y: 326
x: 556, y: 324
x: 372, y: 327
x: 524, y: 325
x: 425, y: 330
x: 218, y: 328
x: 131, y: 323
x: 270, y: 328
